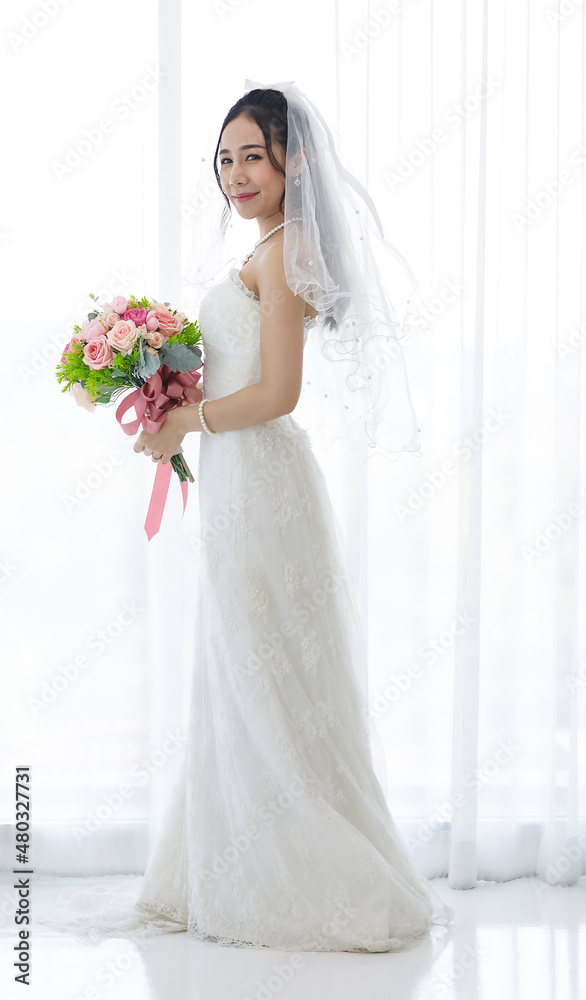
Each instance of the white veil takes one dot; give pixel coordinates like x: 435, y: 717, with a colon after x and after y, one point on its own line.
x: 337, y: 258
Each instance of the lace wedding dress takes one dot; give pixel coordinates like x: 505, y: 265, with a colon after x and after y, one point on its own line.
x: 277, y: 832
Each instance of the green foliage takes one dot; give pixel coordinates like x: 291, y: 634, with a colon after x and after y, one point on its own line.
x: 149, y: 361
x: 126, y: 363
x: 179, y: 357
x: 189, y: 335
x: 74, y: 368
x: 97, y: 381
x: 104, y: 384
x: 134, y: 303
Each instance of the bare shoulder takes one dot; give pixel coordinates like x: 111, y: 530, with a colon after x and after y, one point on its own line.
x: 268, y: 275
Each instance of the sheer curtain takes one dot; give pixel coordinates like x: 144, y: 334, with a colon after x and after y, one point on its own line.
x: 465, y: 122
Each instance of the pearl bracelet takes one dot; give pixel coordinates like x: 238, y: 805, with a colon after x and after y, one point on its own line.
x: 207, y: 429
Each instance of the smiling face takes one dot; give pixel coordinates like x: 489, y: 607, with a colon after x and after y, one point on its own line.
x: 249, y: 171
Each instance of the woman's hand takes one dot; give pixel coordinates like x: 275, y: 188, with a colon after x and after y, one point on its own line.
x: 163, y: 445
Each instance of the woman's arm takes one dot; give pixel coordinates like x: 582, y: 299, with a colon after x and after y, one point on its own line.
x: 277, y: 391
x: 281, y: 350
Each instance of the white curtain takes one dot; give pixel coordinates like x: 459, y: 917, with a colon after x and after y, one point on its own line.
x: 466, y: 122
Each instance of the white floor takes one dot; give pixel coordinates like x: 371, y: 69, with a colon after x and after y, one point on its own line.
x: 517, y: 940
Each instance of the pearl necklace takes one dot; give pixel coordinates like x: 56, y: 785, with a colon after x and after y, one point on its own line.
x: 258, y: 242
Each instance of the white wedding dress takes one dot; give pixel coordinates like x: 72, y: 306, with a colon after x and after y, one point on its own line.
x: 277, y: 832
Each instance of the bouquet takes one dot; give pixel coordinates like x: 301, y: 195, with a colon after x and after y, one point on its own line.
x: 141, y: 344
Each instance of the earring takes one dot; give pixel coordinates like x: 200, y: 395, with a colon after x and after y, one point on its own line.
x: 297, y: 182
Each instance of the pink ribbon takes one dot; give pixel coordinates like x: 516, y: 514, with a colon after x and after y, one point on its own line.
x: 162, y: 392
x: 159, y: 498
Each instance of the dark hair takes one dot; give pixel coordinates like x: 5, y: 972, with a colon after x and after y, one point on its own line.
x: 268, y: 108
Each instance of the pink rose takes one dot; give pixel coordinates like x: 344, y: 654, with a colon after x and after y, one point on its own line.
x: 137, y: 316
x: 168, y: 323
x: 97, y: 353
x: 152, y: 322
x: 95, y: 328
x: 111, y: 318
x: 123, y: 335
x: 154, y: 337
x: 82, y: 397
x: 120, y: 304
x: 75, y: 339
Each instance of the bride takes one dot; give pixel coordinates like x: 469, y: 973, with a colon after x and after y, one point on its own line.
x: 277, y: 833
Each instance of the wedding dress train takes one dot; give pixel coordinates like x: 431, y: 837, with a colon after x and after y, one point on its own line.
x: 277, y: 832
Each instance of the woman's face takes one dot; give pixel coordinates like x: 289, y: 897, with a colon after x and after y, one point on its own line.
x: 249, y: 171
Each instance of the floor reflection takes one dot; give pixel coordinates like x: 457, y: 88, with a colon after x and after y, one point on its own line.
x: 517, y: 940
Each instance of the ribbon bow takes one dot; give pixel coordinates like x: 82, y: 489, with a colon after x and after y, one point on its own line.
x: 255, y: 85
